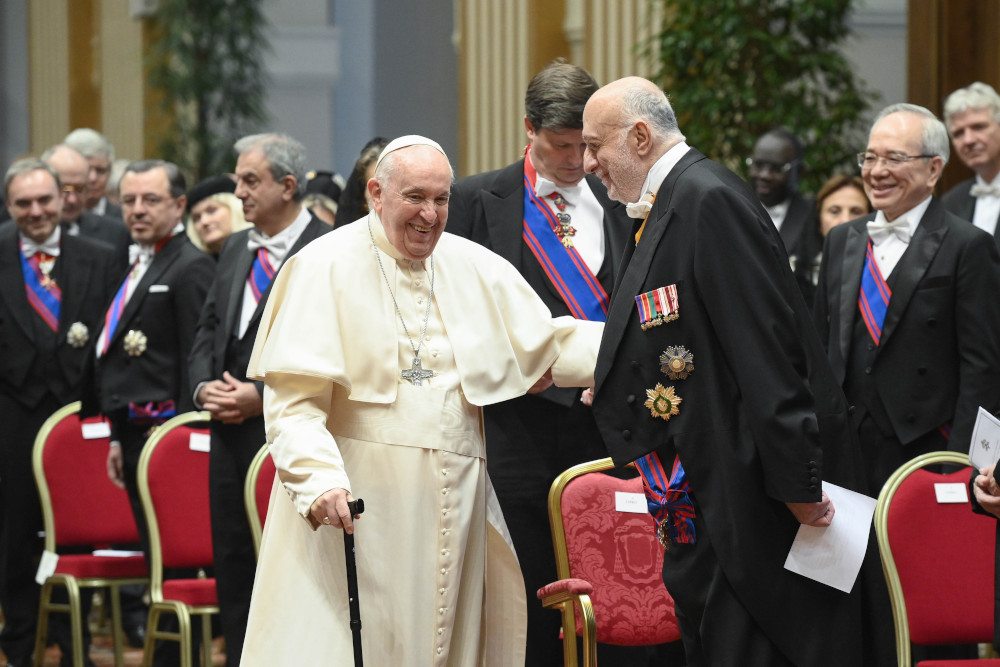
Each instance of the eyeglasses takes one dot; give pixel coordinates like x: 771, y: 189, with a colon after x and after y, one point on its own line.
x: 150, y: 201
x: 868, y: 161
x: 767, y: 165
x: 74, y: 189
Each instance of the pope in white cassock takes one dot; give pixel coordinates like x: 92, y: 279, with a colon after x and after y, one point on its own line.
x: 380, y: 343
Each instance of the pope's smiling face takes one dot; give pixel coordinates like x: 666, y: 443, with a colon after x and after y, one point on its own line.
x: 410, y: 194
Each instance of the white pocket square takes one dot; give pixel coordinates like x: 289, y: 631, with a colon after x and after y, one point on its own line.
x: 154, y: 289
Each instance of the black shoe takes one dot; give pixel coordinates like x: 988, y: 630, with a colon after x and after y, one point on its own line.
x: 135, y: 634
x: 67, y: 661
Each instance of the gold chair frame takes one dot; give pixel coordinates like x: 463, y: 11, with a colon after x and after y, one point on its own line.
x: 157, y: 604
x: 565, y: 601
x: 71, y: 583
x: 885, y: 496
x: 250, y: 496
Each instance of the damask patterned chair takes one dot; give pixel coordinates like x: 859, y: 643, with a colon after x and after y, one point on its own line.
x: 610, y: 588
x: 257, y: 493
x: 938, y: 560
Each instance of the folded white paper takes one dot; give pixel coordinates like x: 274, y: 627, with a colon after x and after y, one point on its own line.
x: 833, y: 555
x: 984, y: 449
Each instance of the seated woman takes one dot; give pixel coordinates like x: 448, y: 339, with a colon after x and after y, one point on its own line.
x: 842, y: 198
x: 215, y: 213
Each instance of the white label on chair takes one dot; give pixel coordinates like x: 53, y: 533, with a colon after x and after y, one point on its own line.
x: 952, y: 492
x: 200, y: 442
x: 633, y: 503
x: 46, y: 566
x: 95, y: 430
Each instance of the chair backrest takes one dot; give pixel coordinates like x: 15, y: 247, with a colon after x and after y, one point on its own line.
x: 938, y: 558
x: 616, y: 551
x: 80, y: 504
x: 257, y: 492
x: 173, y: 485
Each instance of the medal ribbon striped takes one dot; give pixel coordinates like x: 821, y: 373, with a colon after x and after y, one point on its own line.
x: 579, y: 288
x: 45, y: 300
x: 261, y: 274
x: 668, y: 499
x: 873, y: 299
x: 661, y: 302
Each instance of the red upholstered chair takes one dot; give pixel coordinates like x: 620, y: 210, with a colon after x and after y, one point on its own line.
x: 173, y: 485
x: 610, y: 587
x: 257, y: 492
x: 81, y: 507
x: 938, y: 561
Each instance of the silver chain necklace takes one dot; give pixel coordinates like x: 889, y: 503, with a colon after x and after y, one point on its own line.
x: 415, y: 373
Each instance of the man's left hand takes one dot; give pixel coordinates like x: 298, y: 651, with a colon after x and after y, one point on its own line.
x: 241, y: 402
x: 542, y: 384
x: 814, y: 514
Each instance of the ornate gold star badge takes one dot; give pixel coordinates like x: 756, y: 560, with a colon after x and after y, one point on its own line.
x: 78, y: 335
x: 676, y: 361
x: 134, y: 343
x: 662, y: 402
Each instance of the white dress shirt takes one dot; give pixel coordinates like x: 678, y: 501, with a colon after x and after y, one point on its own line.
x: 889, y: 250
x: 586, y: 216
x: 987, y: 207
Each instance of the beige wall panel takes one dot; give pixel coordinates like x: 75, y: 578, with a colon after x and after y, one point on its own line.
x: 121, y: 79
x: 48, y: 55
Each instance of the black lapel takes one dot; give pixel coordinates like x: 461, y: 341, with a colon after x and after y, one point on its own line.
x: 503, y: 207
x: 12, y: 286
x: 637, y: 265
x: 913, y: 265
x: 853, y: 263
x: 161, y: 262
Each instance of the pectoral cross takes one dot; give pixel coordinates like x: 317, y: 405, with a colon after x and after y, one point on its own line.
x: 415, y: 373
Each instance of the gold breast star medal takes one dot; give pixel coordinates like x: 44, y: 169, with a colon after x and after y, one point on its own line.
x: 662, y: 402
x: 135, y: 343
x: 78, y: 335
x: 658, y: 306
x: 677, y: 362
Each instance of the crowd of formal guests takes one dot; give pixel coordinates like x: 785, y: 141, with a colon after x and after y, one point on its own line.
x: 127, y: 289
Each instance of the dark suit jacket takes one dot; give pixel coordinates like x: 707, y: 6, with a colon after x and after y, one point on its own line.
x: 961, y: 203
x: 488, y: 208
x: 800, y: 234
x: 220, y: 316
x: 111, y: 231
x: 938, y: 358
x: 761, y: 419
x: 33, y: 360
x: 165, y: 307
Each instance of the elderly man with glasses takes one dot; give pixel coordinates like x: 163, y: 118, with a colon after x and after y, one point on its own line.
x: 74, y: 171
x: 906, y: 302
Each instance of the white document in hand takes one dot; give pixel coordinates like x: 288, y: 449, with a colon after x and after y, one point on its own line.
x: 833, y: 555
x: 984, y: 450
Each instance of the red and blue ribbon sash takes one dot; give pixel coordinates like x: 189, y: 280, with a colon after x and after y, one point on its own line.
x: 577, y: 286
x: 153, y: 412
x: 261, y: 274
x: 873, y: 299
x: 115, y: 310
x: 43, y: 293
x: 668, y: 498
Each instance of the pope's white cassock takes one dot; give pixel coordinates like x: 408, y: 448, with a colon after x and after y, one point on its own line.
x: 439, y: 582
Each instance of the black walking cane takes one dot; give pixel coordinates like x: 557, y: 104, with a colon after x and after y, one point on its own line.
x: 356, y: 507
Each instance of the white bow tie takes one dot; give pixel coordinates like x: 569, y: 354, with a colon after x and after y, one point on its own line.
x: 142, y: 253
x: 50, y: 246
x: 880, y: 231
x: 641, y: 208
x: 543, y: 188
x: 981, y: 190
x: 275, y: 245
